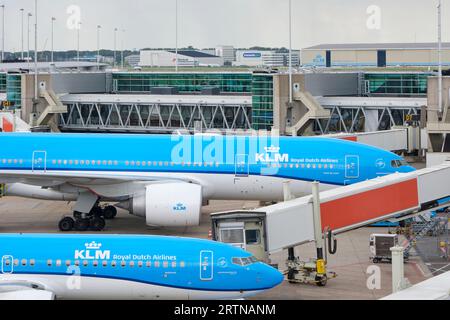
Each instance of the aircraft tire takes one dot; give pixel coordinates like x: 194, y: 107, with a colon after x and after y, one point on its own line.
x: 109, y: 212
x: 82, y: 224
x: 97, y: 224
x: 66, y: 224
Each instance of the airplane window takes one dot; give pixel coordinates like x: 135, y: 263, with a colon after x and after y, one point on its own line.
x: 32, y: 262
x: 244, y: 261
x: 131, y: 264
x: 156, y: 264
x: 58, y: 263
x: 85, y: 263
x: 105, y: 263
x: 76, y: 162
x: 116, y: 163
x: 395, y: 164
x: 140, y: 264
x: 123, y: 264
x: 70, y: 162
x: 68, y: 263
x: 132, y: 163
x: 77, y: 263
x: 82, y: 162
x: 53, y: 161
x: 7, y: 262
x: 165, y: 264
x: 113, y: 264
x: 65, y: 162
x: 138, y: 163
x: 148, y: 264
x: 182, y: 264
x: 24, y: 262
x: 49, y: 263
x: 252, y: 237
x: 174, y: 264
x: 16, y: 262
x: 95, y: 263
x: 403, y: 163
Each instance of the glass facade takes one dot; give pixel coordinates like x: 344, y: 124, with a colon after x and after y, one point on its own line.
x: 262, y: 96
x: 2, y: 82
x: 396, y: 84
x: 14, y: 89
x: 228, y: 83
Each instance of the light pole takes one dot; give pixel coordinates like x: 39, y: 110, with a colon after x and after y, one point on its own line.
x: 35, y: 102
x: 290, y: 52
x: 440, y: 55
x: 28, y: 39
x: 22, y: 54
x: 98, y: 46
x: 53, y: 38
x: 122, y: 42
x: 78, y: 41
x: 176, y: 35
x: 115, y: 47
x: 3, y: 32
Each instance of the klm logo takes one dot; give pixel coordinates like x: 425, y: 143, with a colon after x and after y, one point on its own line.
x: 179, y: 207
x: 272, y: 154
x: 92, y: 252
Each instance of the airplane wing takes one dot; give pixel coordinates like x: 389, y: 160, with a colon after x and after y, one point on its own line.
x: 55, y: 178
x: 23, y: 291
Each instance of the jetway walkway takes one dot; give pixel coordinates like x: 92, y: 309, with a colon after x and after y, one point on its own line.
x: 291, y: 223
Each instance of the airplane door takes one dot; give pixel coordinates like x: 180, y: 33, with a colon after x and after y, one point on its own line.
x: 39, y: 161
x: 241, y: 165
x: 7, y: 264
x: 206, y: 265
x: 351, y: 167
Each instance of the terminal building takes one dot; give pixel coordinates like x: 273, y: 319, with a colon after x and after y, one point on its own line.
x: 375, y: 55
x: 186, y: 58
x: 161, y: 102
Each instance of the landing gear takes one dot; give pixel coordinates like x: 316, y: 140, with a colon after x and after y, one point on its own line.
x: 109, y: 212
x: 94, y: 221
x: 82, y: 224
x: 66, y: 224
x: 97, y: 224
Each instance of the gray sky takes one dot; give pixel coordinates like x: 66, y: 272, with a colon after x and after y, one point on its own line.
x: 242, y: 23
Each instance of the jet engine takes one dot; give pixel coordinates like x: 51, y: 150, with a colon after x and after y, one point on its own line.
x: 168, y: 204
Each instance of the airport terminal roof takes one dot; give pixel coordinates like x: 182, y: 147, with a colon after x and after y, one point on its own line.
x: 194, y: 54
x: 378, y: 46
x: 17, y: 66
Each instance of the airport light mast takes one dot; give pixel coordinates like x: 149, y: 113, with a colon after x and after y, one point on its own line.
x: 440, y: 57
x: 53, y: 22
x: 115, y: 47
x: 290, y: 53
x: 22, y: 54
x: 176, y: 35
x: 3, y: 32
x: 35, y: 102
x: 28, y: 39
x: 98, y: 46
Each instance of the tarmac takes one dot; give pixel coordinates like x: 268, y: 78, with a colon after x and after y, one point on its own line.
x: 351, y: 263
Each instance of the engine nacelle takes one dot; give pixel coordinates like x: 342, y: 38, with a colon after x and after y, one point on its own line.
x: 169, y: 204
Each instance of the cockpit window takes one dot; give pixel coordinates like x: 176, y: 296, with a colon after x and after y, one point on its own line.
x: 244, y: 261
x: 399, y: 163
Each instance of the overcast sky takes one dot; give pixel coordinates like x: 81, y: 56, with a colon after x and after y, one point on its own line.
x: 241, y: 23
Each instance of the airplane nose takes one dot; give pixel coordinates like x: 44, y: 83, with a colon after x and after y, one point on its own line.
x: 272, y: 277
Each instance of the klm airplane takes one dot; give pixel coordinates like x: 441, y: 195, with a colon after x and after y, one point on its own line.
x: 41, y: 267
x: 167, y: 178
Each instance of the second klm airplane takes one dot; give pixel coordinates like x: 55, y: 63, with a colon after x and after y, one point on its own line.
x: 167, y: 179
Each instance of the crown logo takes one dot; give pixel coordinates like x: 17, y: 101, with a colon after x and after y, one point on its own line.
x: 272, y: 149
x: 93, y: 245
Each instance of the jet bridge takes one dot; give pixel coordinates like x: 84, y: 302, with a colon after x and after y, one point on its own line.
x: 291, y: 223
